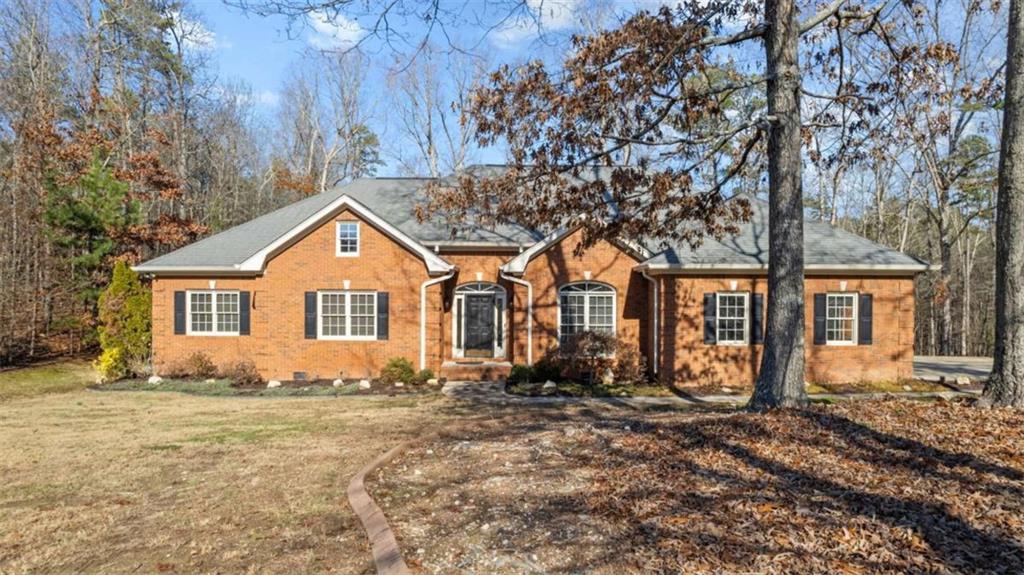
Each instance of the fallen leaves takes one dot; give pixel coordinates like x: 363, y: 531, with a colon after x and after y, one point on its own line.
x: 864, y: 487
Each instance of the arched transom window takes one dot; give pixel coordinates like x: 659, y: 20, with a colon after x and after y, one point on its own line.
x: 585, y: 306
x: 478, y: 321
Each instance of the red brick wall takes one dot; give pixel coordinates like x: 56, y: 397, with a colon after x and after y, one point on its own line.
x: 686, y: 358
x: 278, y: 348
x: 277, y: 344
x: 558, y: 266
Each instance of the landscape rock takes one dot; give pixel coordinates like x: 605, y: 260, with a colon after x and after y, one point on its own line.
x: 155, y: 379
x: 726, y: 390
x: 273, y: 383
x: 433, y: 381
x: 963, y: 380
x: 338, y: 383
x: 211, y: 380
x: 608, y: 377
x: 549, y: 385
x: 399, y: 384
x: 365, y: 384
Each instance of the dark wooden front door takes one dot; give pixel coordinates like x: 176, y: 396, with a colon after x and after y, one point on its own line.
x: 479, y: 325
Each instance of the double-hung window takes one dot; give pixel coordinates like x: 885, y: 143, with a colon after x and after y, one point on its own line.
x: 347, y: 240
x: 347, y: 315
x: 731, y: 318
x: 841, y: 319
x: 213, y: 312
x: 585, y: 306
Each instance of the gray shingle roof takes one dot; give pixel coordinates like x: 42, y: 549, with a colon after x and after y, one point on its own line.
x: 824, y: 246
x: 392, y: 199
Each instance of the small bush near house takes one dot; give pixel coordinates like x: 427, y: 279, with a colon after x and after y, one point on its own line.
x: 200, y: 365
x: 630, y: 366
x: 423, y: 376
x: 520, y: 374
x: 125, y: 331
x: 549, y: 367
x: 589, y: 353
x: 398, y: 369
x: 244, y: 374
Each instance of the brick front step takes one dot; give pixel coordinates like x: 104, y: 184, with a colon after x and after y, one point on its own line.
x: 475, y: 370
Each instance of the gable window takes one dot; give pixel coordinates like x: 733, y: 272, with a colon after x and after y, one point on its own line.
x: 731, y: 322
x: 213, y: 312
x: 585, y: 306
x: 348, y: 239
x: 347, y: 315
x: 841, y: 318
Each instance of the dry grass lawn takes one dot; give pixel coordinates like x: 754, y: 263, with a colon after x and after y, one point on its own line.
x: 889, y: 486
x: 127, y: 482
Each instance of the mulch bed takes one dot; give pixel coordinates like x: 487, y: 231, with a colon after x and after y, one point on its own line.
x: 351, y: 387
x: 890, y: 486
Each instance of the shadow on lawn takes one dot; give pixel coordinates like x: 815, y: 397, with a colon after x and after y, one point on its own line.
x: 677, y: 489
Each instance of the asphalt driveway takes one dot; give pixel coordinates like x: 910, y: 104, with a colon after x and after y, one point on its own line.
x: 935, y: 368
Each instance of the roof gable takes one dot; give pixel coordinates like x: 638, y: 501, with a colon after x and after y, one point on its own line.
x: 246, y: 249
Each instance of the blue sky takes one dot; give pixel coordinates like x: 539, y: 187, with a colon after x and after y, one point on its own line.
x: 260, y: 50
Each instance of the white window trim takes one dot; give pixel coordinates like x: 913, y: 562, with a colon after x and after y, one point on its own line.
x: 348, y: 316
x: 746, y: 318
x: 855, y: 319
x: 337, y: 239
x: 213, y: 293
x: 586, y: 306
x: 500, y: 317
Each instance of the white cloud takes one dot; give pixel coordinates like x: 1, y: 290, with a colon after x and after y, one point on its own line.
x: 193, y: 34
x: 333, y: 33
x: 542, y: 16
x: 266, y: 98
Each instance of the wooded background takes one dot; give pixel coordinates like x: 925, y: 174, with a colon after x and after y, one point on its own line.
x: 118, y: 141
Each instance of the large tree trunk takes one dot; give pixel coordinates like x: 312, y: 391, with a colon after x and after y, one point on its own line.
x: 1005, y: 385
x: 780, y: 382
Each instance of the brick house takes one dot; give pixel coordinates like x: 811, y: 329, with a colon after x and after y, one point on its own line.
x: 338, y: 283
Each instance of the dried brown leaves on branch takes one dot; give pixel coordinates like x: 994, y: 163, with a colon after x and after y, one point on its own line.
x: 648, y: 104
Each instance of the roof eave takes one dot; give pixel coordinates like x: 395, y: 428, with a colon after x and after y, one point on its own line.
x: 194, y: 271
x: 809, y: 269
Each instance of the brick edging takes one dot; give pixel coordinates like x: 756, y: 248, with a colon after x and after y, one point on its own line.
x: 383, y: 545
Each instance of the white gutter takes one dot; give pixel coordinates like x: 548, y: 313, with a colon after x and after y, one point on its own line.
x: 529, y: 312
x: 657, y: 314
x: 847, y: 269
x: 423, y: 315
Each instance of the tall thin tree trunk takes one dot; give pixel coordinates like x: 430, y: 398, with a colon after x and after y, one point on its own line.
x: 780, y: 382
x: 945, y: 287
x: 1005, y: 385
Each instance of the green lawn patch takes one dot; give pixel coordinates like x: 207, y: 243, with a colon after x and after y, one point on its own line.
x: 223, y: 388
x: 580, y: 389
x: 58, y: 377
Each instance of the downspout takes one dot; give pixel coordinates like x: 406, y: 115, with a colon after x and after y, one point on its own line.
x: 529, y: 312
x: 423, y: 315
x: 657, y: 314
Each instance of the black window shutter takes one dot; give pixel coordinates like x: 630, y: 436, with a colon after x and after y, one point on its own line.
x: 383, y: 301
x: 819, y: 319
x: 243, y: 313
x: 710, y: 318
x: 864, y: 319
x: 179, y: 312
x: 756, y: 313
x: 311, y: 315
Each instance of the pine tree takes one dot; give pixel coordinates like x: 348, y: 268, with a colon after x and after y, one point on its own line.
x: 85, y: 219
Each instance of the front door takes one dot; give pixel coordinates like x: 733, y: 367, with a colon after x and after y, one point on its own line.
x: 479, y: 325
